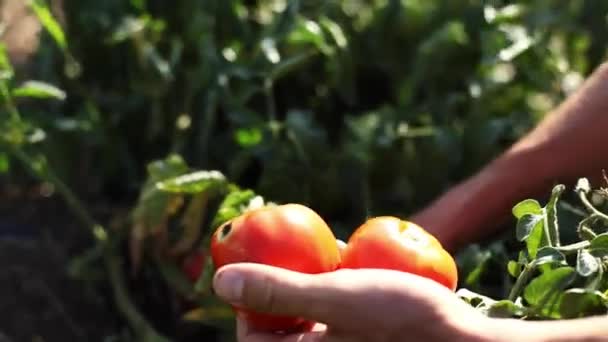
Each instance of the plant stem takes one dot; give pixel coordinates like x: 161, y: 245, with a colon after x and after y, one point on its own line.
x: 10, y: 105
x: 123, y: 302
x: 73, y: 203
x: 581, y: 229
x: 523, y: 278
x: 590, y: 207
x: 573, y: 247
x: 270, y: 105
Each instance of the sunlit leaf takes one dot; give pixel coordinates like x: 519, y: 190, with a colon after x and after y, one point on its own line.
x: 578, y: 303
x: 194, y: 182
x: 37, y: 89
x: 527, y: 207
x: 548, y: 284
x: 586, y: 264
x: 526, y: 224
x: 48, y: 21
x: 4, y: 163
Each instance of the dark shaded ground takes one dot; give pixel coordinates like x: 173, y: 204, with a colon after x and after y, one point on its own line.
x: 38, y: 300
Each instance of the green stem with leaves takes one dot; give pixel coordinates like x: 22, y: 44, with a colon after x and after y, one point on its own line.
x: 521, y: 281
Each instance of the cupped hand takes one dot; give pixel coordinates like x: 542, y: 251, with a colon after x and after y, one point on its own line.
x: 350, y: 305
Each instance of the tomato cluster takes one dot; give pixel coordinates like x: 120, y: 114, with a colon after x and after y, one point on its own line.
x: 294, y: 237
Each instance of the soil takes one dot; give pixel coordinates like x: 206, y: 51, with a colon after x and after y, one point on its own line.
x: 39, y: 301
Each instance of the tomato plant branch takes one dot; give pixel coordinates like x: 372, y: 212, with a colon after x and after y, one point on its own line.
x: 9, y: 104
x: 45, y: 173
x: 583, y: 231
x: 598, y: 214
x: 521, y: 281
x: 269, y: 94
x: 126, y: 307
x: 573, y: 247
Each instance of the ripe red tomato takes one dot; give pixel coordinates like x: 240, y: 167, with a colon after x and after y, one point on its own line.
x: 290, y: 236
x: 391, y: 243
x: 193, y: 264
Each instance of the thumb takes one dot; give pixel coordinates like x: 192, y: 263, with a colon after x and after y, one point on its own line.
x: 273, y: 290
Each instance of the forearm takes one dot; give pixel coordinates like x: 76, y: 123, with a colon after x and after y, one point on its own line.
x: 569, y: 141
x: 566, y: 145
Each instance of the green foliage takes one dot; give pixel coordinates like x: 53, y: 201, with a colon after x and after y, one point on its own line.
x: 196, y: 111
x: 552, y: 280
x: 269, y: 92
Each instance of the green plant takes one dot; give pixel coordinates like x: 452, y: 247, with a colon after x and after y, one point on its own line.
x: 554, y: 279
x: 180, y: 115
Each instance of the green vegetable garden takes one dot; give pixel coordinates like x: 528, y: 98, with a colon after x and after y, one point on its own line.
x: 136, y: 127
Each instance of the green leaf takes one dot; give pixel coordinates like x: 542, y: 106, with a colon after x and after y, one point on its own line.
x: 43, y: 12
x: 526, y: 224
x: 6, y: 69
x: 586, y: 264
x: 335, y: 32
x: 309, y: 32
x: 194, y: 182
x: 527, y: 207
x: 248, y: 137
x: 536, y: 239
x: 475, y: 299
x: 548, y: 255
x: 5, y: 163
x: 290, y: 64
x: 577, y: 303
x: 153, y: 204
x: 40, y: 90
x: 175, y: 278
x: 232, y: 205
x: 204, y: 282
x: 505, y: 309
x: 599, y: 245
x: 514, y: 268
x: 545, y: 286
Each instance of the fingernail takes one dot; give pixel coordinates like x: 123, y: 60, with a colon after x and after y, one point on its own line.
x: 229, y: 285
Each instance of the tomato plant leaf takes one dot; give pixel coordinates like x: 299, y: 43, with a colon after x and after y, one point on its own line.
x: 548, y: 255
x: 526, y: 224
x: 48, y: 21
x: 586, y: 264
x: 194, y: 182
x: 527, y: 207
x: 5, y: 163
x: 6, y: 69
x: 599, y: 245
x: 40, y: 90
x: 175, y: 278
x: 232, y: 205
x: 475, y: 299
x: 536, y: 239
x: 514, y: 268
x: 577, y: 303
x: 505, y: 309
x: 541, y: 287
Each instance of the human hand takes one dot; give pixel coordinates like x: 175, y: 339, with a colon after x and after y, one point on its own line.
x: 350, y: 305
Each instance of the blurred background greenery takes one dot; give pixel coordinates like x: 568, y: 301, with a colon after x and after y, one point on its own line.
x: 354, y: 108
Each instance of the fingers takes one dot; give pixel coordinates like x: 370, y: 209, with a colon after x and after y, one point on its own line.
x: 374, y: 297
x: 245, y: 334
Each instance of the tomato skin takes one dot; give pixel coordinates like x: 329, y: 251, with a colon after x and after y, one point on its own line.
x: 290, y: 236
x: 388, y: 242
x: 193, y: 264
